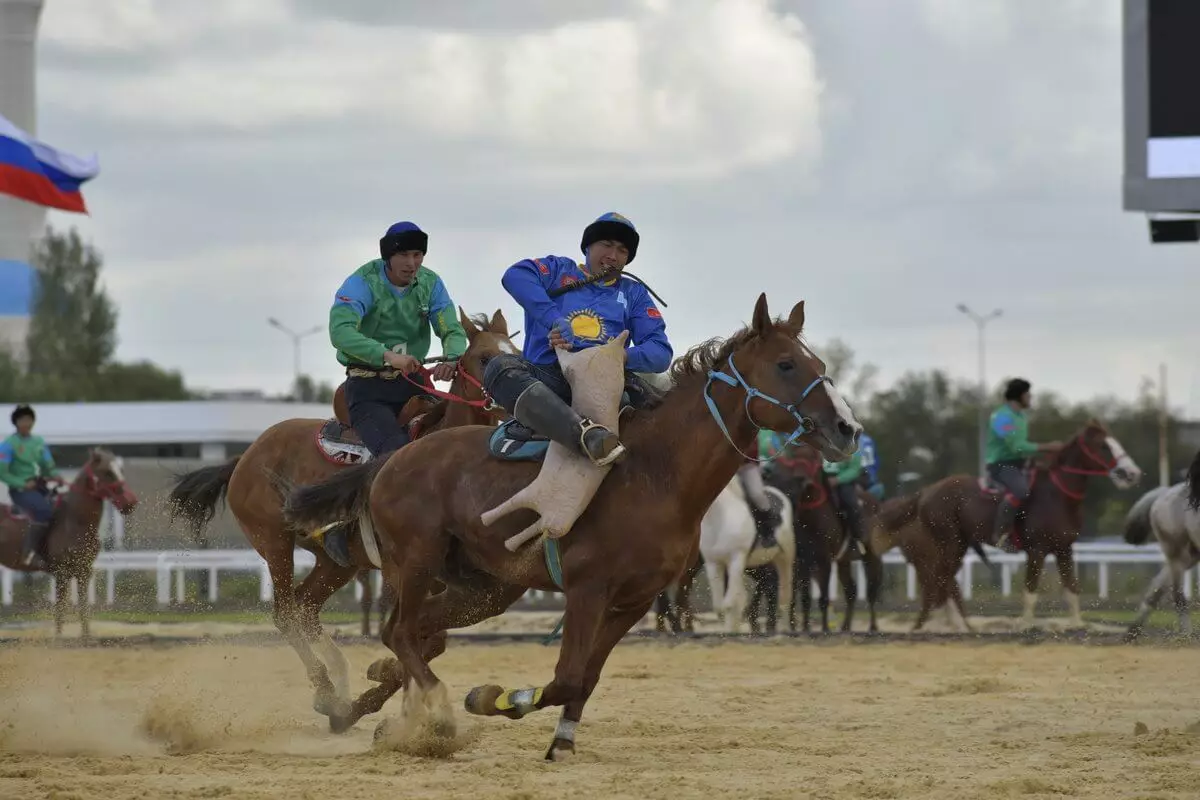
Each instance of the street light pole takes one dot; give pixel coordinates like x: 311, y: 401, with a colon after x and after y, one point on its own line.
x: 296, y: 337
x: 981, y: 321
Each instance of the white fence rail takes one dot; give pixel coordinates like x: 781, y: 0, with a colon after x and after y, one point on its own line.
x: 170, y: 566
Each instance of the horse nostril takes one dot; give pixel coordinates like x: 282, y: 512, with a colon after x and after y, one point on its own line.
x: 848, y: 430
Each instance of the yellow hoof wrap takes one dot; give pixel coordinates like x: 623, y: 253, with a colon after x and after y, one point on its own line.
x: 318, y: 535
x: 518, y: 702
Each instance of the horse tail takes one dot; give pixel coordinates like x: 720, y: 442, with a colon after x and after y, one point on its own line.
x: 342, y: 496
x: 1193, y: 482
x: 1137, y: 521
x: 978, y: 548
x: 196, y: 494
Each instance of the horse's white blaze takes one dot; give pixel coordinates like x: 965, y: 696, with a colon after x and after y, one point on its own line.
x: 508, y: 347
x: 116, y: 469
x: 840, y: 406
x: 1125, y: 463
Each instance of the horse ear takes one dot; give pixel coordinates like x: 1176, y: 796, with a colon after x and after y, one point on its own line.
x: 468, y: 326
x: 762, y: 318
x: 499, y: 324
x: 796, y: 318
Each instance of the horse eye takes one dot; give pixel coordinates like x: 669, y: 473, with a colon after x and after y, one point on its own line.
x: 786, y: 366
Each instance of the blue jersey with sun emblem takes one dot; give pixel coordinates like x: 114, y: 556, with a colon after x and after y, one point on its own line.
x: 597, y: 312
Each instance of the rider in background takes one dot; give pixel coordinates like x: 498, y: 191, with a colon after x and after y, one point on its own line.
x: 380, y: 325
x: 869, y: 480
x: 1008, y: 449
x: 844, y: 477
x: 26, y: 467
x: 602, y: 303
x: 766, y: 518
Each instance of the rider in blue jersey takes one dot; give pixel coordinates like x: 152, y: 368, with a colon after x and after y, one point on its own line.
x: 869, y: 479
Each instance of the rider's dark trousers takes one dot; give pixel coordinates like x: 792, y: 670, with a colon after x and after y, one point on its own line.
x: 847, y: 495
x: 374, y: 404
x: 1010, y: 475
x: 506, y: 377
x: 33, y: 503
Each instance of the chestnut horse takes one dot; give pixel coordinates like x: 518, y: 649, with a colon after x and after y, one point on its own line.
x: 638, y: 534
x: 288, y: 451
x: 956, y: 513
x: 73, y: 540
x: 819, y: 534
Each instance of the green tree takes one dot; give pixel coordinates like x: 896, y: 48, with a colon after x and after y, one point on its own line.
x: 73, y: 336
x: 306, y: 390
x: 73, y: 330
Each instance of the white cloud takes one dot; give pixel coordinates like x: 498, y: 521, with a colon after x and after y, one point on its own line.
x: 680, y: 87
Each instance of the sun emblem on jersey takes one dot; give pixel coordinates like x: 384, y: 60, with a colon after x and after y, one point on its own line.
x: 587, y: 325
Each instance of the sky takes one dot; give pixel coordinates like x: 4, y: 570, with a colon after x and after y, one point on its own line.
x: 881, y: 161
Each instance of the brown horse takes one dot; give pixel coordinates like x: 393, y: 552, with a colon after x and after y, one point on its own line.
x: 288, y: 451
x: 73, y: 540
x: 819, y: 535
x: 935, y: 526
x: 638, y: 534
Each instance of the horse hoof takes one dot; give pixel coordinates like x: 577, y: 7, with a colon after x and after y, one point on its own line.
x: 481, y: 700
x: 341, y: 724
x: 332, y: 707
x: 560, y: 750
x: 381, y: 670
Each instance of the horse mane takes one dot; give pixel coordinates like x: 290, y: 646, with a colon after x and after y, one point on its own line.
x: 709, y: 354
x: 481, y: 321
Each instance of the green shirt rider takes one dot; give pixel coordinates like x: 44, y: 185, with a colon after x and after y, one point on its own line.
x: 380, y: 325
x: 1007, y: 450
x: 844, y: 477
x: 26, y: 467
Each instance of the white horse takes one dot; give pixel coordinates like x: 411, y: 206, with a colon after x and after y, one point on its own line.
x: 727, y: 537
x: 1166, y: 512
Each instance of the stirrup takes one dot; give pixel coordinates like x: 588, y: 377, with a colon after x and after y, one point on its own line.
x: 617, y: 452
x: 318, y: 535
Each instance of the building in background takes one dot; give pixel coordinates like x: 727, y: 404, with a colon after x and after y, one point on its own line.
x: 157, y: 442
x: 20, y: 222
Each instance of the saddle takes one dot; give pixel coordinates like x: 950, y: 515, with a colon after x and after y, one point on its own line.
x: 513, y: 441
x: 341, y: 444
x: 990, y: 488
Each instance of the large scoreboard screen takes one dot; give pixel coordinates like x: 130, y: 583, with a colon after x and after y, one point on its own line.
x: 1162, y: 105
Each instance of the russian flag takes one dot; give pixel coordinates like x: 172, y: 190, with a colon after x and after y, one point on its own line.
x: 40, y: 174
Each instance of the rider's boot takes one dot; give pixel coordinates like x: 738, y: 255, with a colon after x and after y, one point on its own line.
x: 765, y: 524
x: 852, y: 541
x: 30, y: 557
x: 542, y: 410
x: 1002, y: 534
x: 334, y: 538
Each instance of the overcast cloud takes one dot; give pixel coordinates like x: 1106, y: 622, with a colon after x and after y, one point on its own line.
x: 883, y: 161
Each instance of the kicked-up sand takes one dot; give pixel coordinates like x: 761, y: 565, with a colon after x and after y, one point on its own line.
x: 782, y: 719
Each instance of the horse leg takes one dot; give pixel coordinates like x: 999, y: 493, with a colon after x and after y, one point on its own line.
x: 735, y: 594
x: 804, y: 588
x: 62, y: 589
x: 325, y: 578
x: 683, y: 599
x: 850, y: 586
x: 954, y: 607
x: 715, y: 573
x: 929, y: 580
x: 1149, y: 601
x: 1033, y: 573
x: 1179, y: 569
x: 85, y: 608
x: 824, y: 578
x: 614, y: 627
x: 874, y: 569
x: 1065, y: 561
x: 784, y: 601
x: 588, y: 605
x: 286, y: 616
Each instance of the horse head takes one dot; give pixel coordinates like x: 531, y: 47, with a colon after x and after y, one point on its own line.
x: 486, y: 339
x: 787, y: 389
x: 103, y: 479
x: 1095, y: 451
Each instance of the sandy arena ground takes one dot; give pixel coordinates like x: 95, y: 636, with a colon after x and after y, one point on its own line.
x: 782, y: 719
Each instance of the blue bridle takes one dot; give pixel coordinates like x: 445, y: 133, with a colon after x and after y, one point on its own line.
x: 805, y: 424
